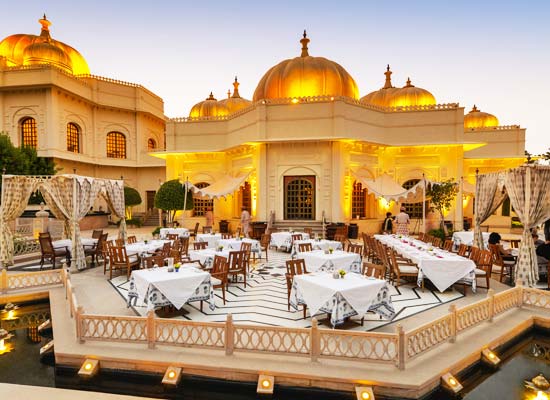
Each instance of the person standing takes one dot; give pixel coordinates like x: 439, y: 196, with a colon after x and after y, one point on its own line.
x: 402, y: 221
x: 209, y: 215
x: 387, y: 226
x: 245, y: 221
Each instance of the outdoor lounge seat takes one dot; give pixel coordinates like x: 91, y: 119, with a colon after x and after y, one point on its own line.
x: 48, y: 252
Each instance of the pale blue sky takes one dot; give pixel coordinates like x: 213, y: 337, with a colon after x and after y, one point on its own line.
x: 495, y: 54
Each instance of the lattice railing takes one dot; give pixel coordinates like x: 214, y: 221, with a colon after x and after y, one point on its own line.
x: 25, y: 246
x: 473, y: 314
x: 361, y: 345
x: 428, y: 336
x: 272, y: 339
x: 507, y: 300
x: 536, y: 298
x: 188, y: 333
x: 113, y: 328
x: 27, y: 280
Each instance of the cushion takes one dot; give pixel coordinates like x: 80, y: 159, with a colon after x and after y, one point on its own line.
x: 215, y: 281
x: 480, y: 272
x: 408, y: 269
x: 133, y: 258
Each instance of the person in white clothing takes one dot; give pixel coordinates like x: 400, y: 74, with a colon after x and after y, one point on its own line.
x: 245, y: 221
x: 402, y: 221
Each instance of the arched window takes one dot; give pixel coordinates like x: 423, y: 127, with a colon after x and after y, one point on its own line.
x: 116, y: 145
x: 29, y: 133
x: 413, y: 209
x: 73, y: 138
x: 200, y: 205
x: 358, y: 200
x: 151, y: 145
x: 246, y: 197
x: 299, y: 197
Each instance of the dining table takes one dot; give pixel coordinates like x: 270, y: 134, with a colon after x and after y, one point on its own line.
x: 205, y: 257
x: 316, y: 244
x: 467, y: 238
x: 181, y: 232
x: 283, y: 240
x: 324, y: 260
x: 354, y: 294
x: 235, y: 244
x: 442, y: 268
x: 68, y: 243
x: 211, y: 238
x: 144, y: 249
x: 159, y: 287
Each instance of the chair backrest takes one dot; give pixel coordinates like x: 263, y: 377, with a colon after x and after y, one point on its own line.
x: 151, y: 261
x: 118, y: 255
x: 132, y: 239
x: 497, y: 257
x: 237, y: 260
x: 474, y: 254
x: 485, y: 260
x: 393, y: 261
x: 309, y: 231
x: 101, y: 242
x: 374, y: 270
x: 436, y: 242
x: 196, y: 229
x: 46, y: 246
x: 514, y: 243
x: 175, y: 254
x: 220, y: 266
x: 184, y: 246
x: 341, y: 230
x: 119, y: 242
x: 172, y: 236
x: 448, y: 245
x: 463, y: 250
x: 200, y: 245
x: 422, y: 236
x: 296, y: 267
x: 340, y: 238
x: 226, y: 236
x: 355, y: 248
x: 165, y: 251
x: 265, y: 240
x: 96, y: 234
x: 296, y: 236
x: 303, y: 247
x: 246, y: 246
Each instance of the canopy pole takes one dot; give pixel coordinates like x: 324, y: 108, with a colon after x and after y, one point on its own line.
x: 73, y: 236
x: 1, y: 211
x: 185, y: 188
x: 424, y: 204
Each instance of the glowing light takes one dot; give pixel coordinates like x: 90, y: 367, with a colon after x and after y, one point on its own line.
x: 365, y: 395
x: 384, y: 204
x: 541, y: 396
x: 266, y: 383
x: 11, y: 314
x: 452, y: 381
x: 3, y: 346
x: 294, y: 100
x: 171, y: 374
x: 88, y: 366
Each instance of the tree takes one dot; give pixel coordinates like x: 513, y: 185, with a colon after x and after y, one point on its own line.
x: 442, y: 195
x: 131, y: 198
x: 171, y: 196
x: 23, y: 161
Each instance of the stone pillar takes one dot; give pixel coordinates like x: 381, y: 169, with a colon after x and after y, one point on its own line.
x: 40, y: 223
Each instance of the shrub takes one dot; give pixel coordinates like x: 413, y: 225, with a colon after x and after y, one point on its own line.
x: 171, y: 196
x: 438, y: 233
x: 131, y: 198
x: 156, y: 231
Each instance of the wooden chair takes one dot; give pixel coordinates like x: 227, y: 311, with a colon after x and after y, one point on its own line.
x: 436, y: 242
x: 355, y: 248
x: 119, y: 242
x: 106, y: 246
x: 48, y: 252
x: 184, y: 248
x: 293, y: 268
x: 195, y: 231
x: 402, y: 270
x: 172, y: 236
x: 341, y: 238
x: 132, y: 239
x: 485, y: 267
x: 247, y: 246
x: 151, y: 261
x: 368, y: 247
x: 226, y: 236
x: 96, y: 251
x: 514, y: 243
x: 474, y: 254
x: 309, y: 231
x: 219, y: 272
x: 206, y: 229
x: 463, y: 250
x: 296, y: 236
x: 303, y: 247
x: 119, y: 260
x: 96, y: 234
x: 237, y: 264
x: 504, y: 268
x: 200, y: 245
x: 374, y: 270
x: 238, y: 232
x: 265, y: 240
x: 422, y: 237
x: 448, y: 245
x: 175, y: 254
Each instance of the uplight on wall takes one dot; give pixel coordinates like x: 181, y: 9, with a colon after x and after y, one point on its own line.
x: 4, y: 347
x: 490, y: 357
x: 172, y: 376
x: 451, y: 383
x: 266, y: 384
x: 89, y: 368
x: 364, y: 393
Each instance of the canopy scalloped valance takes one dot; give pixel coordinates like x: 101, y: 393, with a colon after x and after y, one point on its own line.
x: 385, y: 187
x: 224, y: 186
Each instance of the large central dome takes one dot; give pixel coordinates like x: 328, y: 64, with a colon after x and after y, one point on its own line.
x: 306, y: 76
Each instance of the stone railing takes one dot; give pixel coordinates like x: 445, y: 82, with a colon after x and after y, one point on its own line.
x: 493, y: 128
x: 29, y: 280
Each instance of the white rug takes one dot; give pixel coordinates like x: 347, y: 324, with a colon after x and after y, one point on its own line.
x: 264, y: 301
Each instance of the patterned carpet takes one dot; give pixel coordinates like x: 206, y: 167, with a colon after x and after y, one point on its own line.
x: 264, y: 301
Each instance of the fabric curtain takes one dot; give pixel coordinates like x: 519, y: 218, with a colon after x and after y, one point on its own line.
x: 114, y: 196
x: 529, y: 191
x: 489, y: 195
x: 16, y: 192
x: 56, y: 211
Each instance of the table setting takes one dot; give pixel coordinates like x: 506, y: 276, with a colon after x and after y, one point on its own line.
x: 211, y: 238
x: 316, y: 244
x: 283, y: 240
x: 235, y: 244
x: 145, y: 247
x: 181, y: 232
x: 205, y: 257
x: 327, y: 260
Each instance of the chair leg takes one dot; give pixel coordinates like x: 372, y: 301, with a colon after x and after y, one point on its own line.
x: 305, y: 309
x: 223, y: 294
x: 201, y: 306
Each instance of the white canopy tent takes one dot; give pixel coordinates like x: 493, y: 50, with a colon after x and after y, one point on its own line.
x: 223, y: 187
x: 528, y: 188
x: 69, y: 198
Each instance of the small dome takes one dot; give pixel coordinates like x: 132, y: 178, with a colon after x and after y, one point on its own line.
x: 382, y: 96
x: 44, y: 50
x: 479, y: 119
x: 235, y: 102
x: 306, y: 76
x: 410, y: 95
x: 208, y: 108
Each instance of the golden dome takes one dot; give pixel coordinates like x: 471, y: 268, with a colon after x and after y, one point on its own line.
x: 235, y: 102
x: 382, y: 96
x: 306, y: 76
x: 410, y: 95
x: 479, y: 119
x: 23, y: 49
x: 208, y: 108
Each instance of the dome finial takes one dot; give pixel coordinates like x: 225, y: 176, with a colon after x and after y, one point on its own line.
x: 304, y: 42
x: 236, y: 88
x: 45, y: 26
x: 474, y: 109
x: 409, y: 84
x: 387, y: 84
x: 211, y: 97
x: 228, y: 93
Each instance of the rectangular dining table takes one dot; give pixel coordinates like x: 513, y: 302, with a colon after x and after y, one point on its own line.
x: 205, y: 257
x: 316, y: 244
x: 181, y: 232
x: 355, y: 294
x: 283, y: 240
x: 322, y: 260
x: 211, y: 238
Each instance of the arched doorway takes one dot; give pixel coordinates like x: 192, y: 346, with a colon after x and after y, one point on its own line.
x: 300, y: 197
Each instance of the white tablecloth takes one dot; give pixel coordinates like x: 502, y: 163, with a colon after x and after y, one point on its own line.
x: 206, y: 256
x: 211, y: 238
x: 467, y: 238
x: 317, y: 260
x: 342, y: 298
x: 68, y: 243
x: 235, y: 244
x: 283, y: 240
x: 181, y: 232
x: 142, y: 248
x: 322, y: 244
x: 155, y: 286
x: 442, y: 268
